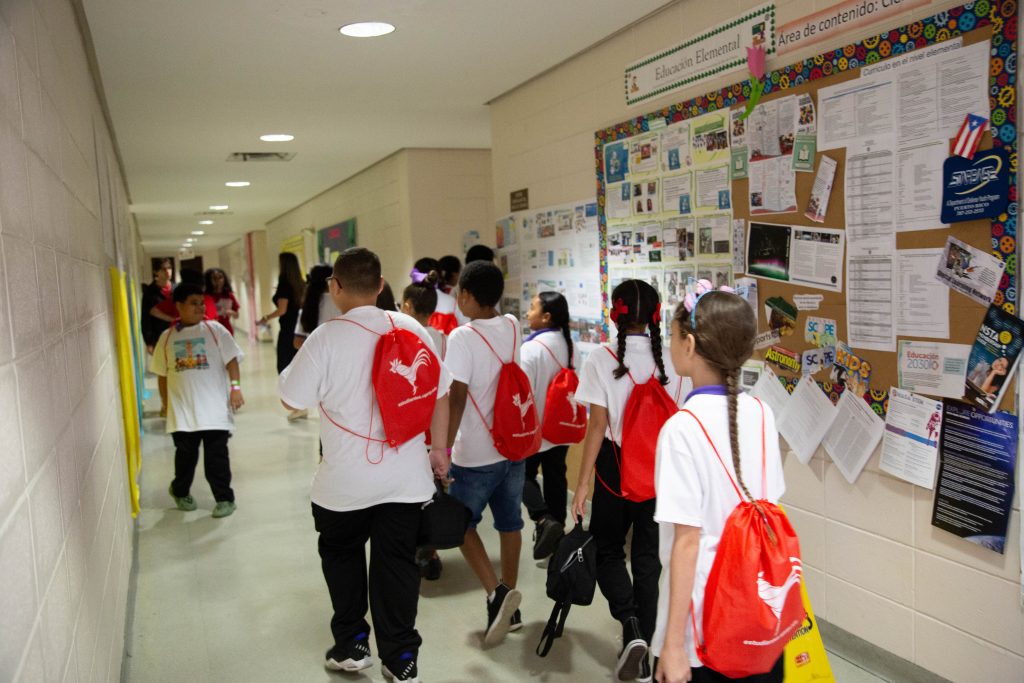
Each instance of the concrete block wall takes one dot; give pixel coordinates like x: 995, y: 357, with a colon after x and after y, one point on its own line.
x: 65, y: 525
x: 874, y: 564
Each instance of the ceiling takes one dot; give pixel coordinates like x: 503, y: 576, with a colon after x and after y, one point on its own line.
x: 190, y: 81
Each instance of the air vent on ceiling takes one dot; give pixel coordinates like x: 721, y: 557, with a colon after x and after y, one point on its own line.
x: 214, y: 213
x: 261, y: 156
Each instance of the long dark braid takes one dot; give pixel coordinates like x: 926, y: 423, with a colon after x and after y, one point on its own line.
x: 655, y: 331
x: 621, y: 353
x: 732, y: 385
x: 555, y: 305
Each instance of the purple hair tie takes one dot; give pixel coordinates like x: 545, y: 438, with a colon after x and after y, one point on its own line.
x: 418, y: 277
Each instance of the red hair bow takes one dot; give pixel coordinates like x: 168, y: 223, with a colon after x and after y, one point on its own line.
x: 618, y: 308
x: 656, y: 317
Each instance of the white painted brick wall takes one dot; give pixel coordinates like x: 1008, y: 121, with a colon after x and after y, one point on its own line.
x: 65, y: 528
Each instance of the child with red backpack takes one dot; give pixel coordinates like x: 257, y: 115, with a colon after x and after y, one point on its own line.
x: 730, y: 598
x: 549, y: 361
x: 493, y: 428
x: 380, y: 386
x: 631, y: 395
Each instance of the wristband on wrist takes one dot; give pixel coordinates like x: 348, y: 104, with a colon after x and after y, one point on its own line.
x: 236, y: 388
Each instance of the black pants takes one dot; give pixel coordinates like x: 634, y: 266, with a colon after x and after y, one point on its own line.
x: 215, y: 462
x: 394, y: 579
x: 705, y: 675
x: 556, y: 489
x: 611, y: 518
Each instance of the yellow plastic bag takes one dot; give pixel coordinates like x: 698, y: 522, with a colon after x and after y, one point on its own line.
x: 806, y: 660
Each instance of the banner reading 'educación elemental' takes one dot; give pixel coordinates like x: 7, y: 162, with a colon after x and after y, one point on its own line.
x: 715, y: 52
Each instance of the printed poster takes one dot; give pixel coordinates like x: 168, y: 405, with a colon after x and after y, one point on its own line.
x: 675, y: 147
x: 994, y: 356
x: 676, y: 193
x: 972, y: 272
x: 772, y: 186
x: 646, y: 199
x: 616, y: 162
x: 801, y: 256
x: 643, y: 153
x: 932, y: 368
x: 710, y: 139
x: 910, y: 448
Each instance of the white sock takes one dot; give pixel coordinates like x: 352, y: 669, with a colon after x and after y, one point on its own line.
x: 493, y: 594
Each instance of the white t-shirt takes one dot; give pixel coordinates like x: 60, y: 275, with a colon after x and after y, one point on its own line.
x: 327, y: 310
x: 333, y: 371
x: 446, y: 304
x: 541, y: 368
x: 473, y: 364
x: 599, y: 387
x: 694, y: 489
x: 439, y: 339
x: 194, y: 360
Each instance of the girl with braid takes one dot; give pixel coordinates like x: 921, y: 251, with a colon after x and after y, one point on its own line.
x: 712, y: 335
x: 544, y: 353
x: 607, y: 379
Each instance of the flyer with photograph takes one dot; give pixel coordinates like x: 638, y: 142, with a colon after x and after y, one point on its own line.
x: 994, y: 356
x: 679, y: 236
x: 910, y: 448
x: 675, y: 193
x: 643, y: 153
x: 817, y: 205
x: 617, y: 200
x: 932, y: 368
x: 714, y: 236
x: 709, y: 139
x: 646, y: 198
x: 616, y: 162
x: 974, y: 493
x: 772, y: 186
x: 970, y: 271
x: 675, y: 147
x: 802, y: 256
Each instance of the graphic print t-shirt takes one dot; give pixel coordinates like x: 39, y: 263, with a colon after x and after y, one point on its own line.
x: 193, y: 360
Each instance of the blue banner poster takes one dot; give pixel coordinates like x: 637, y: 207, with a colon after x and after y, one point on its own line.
x: 974, y: 493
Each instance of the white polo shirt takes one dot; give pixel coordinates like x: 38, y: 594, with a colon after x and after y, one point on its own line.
x: 694, y: 489
x: 599, y: 387
x: 473, y: 364
x: 541, y: 368
x: 332, y: 372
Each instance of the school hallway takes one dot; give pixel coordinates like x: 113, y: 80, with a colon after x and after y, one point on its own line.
x: 243, y: 599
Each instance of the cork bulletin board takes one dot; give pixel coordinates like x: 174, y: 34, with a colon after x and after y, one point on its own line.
x: 984, y: 21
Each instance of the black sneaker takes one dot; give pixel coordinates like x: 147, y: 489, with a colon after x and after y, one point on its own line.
x: 434, y: 567
x: 634, y: 651
x: 499, y: 613
x: 546, y: 537
x: 355, y: 656
x: 516, y: 622
x: 404, y: 669
x: 646, y: 676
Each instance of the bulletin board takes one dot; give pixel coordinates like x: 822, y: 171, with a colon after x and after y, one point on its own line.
x: 985, y: 20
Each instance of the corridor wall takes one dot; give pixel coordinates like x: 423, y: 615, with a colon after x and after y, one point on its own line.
x: 65, y: 523
x: 874, y: 564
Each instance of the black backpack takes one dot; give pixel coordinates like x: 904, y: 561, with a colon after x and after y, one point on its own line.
x: 572, y: 578
x: 444, y: 521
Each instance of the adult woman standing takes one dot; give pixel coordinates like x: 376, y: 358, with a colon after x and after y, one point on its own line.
x: 288, y: 299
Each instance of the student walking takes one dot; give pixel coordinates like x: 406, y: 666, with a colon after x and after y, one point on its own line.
x: 631, y: 393
x: 446, y: 316
x: 317, y: 305
x: 196, y: 361
x: 420, y: 301
x: 722, y: 438
x: 218, y: 288
x: 368, y: 488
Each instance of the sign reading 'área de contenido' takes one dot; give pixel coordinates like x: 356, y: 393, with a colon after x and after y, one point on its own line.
x: 715, y: 52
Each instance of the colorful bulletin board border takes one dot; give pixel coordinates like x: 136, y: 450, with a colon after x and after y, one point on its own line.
x: 1001, y: 15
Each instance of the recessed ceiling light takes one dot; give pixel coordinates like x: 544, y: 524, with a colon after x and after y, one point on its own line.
x: 198, y: 232
x: 218, y: 207
x: 205, y: 222
x: 277, y: 137
x: 238, y: 183
x: 366, y: 29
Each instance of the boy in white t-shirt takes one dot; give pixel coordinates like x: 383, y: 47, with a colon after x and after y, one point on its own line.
x: 364, y: 489
x: 195, y: 359
x: 482, y: 476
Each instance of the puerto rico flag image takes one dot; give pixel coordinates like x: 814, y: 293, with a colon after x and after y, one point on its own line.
x: 967, y: 139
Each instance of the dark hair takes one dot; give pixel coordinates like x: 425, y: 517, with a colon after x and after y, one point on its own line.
x: 193, y: 277
x: 724, y: 330
x: 422, y: 297
x: 637, y: 303
x: 208, y: 280
x: 358, y: 269
x: 450, y: 267
x: 484, y: 282
x: 290, y: 274
x: 429, y: 267
x: 386, y: 299
x: 316, y: 287
x: 184, y: 290
x: 161, y: 264
x: 479, y: 252
x: 555, y: 305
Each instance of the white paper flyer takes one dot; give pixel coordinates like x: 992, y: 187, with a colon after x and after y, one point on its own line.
x: 933, y: 368
x: 910, y: 449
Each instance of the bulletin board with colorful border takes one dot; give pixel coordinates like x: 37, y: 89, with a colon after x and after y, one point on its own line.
x: 994, y: 20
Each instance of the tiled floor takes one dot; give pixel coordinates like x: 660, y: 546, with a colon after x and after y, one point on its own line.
x: 243, y: 599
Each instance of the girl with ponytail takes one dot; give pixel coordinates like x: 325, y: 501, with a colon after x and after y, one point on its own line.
x: 712, y: 336
x: 446, y: 316
x: 612, y: 379
x: 542, y: 356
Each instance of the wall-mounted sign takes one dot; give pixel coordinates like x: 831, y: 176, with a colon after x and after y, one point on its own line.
x: 830, y: 22
x: 519, y: 200
x: 712, y: 53
x: 335, y: 239
x: 975, y: 189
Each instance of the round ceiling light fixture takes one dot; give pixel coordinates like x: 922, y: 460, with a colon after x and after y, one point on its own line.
x: 205, y: 222
x: 198, y: 232
x: 277, y: 137
x: 366, y: 29
x: 238, y: 183
x: 218, y: 207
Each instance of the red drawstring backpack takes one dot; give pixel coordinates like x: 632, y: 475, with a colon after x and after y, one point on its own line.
x: 565, y: 420
x: 752, y: 601
x: 404, y: 376
x: 516, y: 429
x: 647, y: 410
x: 443, y: 322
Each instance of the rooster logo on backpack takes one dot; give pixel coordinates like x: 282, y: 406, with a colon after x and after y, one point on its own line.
x: 409, y: 372
x: 518, y: 402
x: 775, y: 596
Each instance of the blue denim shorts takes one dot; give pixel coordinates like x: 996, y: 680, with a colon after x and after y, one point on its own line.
x: 499, y: 485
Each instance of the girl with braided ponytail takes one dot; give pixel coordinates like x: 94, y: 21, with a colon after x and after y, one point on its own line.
x: 712, y: 336
x: 611, y: 379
